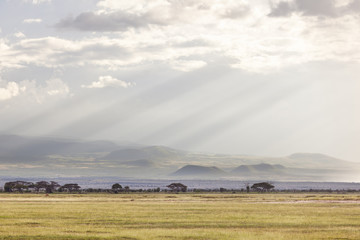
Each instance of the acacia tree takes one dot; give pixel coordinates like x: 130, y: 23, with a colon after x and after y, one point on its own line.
x: 116, y: 187
x: 49, y: 187
x: 262, y: 186
x: 8, y: 187
x: 177, y: 187
x: 54, y: 185
x: 19, y: 186
x: 70, y: 187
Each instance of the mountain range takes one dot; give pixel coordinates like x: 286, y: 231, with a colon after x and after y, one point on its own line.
x: 54, y: 157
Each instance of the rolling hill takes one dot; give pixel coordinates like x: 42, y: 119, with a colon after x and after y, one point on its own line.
x: 259, y: 168
x: 50, y: 156
x: 149, y: 153
x: 17, y: 149
x: 196, y: 171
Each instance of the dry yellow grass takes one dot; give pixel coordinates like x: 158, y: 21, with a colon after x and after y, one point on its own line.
x: 180, y: 216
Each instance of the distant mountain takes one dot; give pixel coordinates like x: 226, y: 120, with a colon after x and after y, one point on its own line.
x: 317, y: 159
x: 17, y: 149
x: 51, y: 156
x: 142, y: 163
x: 149, y: 153
x: 199, y: 171
x: 259, y: 168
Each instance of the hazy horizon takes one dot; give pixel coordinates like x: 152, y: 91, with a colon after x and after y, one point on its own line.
x: 134, y: 145
x: 264, y: 78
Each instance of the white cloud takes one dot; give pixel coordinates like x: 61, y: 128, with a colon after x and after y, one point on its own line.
x: 32, y: 20
x: 9, y: 91
x: 40, y: 52
x: 56, y: 87
x: 108, y: 81
x: 41, y: 92
x: 105, y: 52
x: 30, y: 90
x: 19, y: 35
x: 117, y: 21
x: 135, y: 6
x: 36, y: 2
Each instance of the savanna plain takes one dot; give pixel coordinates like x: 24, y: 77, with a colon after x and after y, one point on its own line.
x: 180, y: 216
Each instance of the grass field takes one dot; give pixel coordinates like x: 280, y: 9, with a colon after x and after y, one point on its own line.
x: 180, y: 216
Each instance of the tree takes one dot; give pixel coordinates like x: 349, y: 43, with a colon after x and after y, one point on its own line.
x: 49, y: 187
x: 116, y: 187
x: 177, y: 187
x: 8, y: 187
x: 19, y: 186
x: 262, y: 187
x: 54, y: 185
x: 70, y: 187
x: 247, y: 187
x: 41, y: 185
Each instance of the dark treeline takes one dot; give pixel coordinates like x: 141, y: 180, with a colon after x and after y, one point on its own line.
x: 54, y: 187
x: 41, y: 186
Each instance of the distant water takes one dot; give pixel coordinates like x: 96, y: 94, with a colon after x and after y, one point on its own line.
x: 107, y: 182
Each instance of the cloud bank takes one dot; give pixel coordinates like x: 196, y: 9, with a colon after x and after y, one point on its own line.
x: 108, y: 22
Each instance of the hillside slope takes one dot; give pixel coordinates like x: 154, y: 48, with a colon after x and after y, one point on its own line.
x: 196, y: 171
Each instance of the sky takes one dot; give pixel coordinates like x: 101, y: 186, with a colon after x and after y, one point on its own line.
x: 221, y: 76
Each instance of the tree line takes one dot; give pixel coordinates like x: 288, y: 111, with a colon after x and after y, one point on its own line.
x: 41, y: 186
x: 52, y: 186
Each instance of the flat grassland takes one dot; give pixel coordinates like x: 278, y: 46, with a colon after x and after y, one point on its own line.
x: 180, y: 216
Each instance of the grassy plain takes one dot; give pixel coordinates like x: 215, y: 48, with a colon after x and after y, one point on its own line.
x: 180, y: 216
